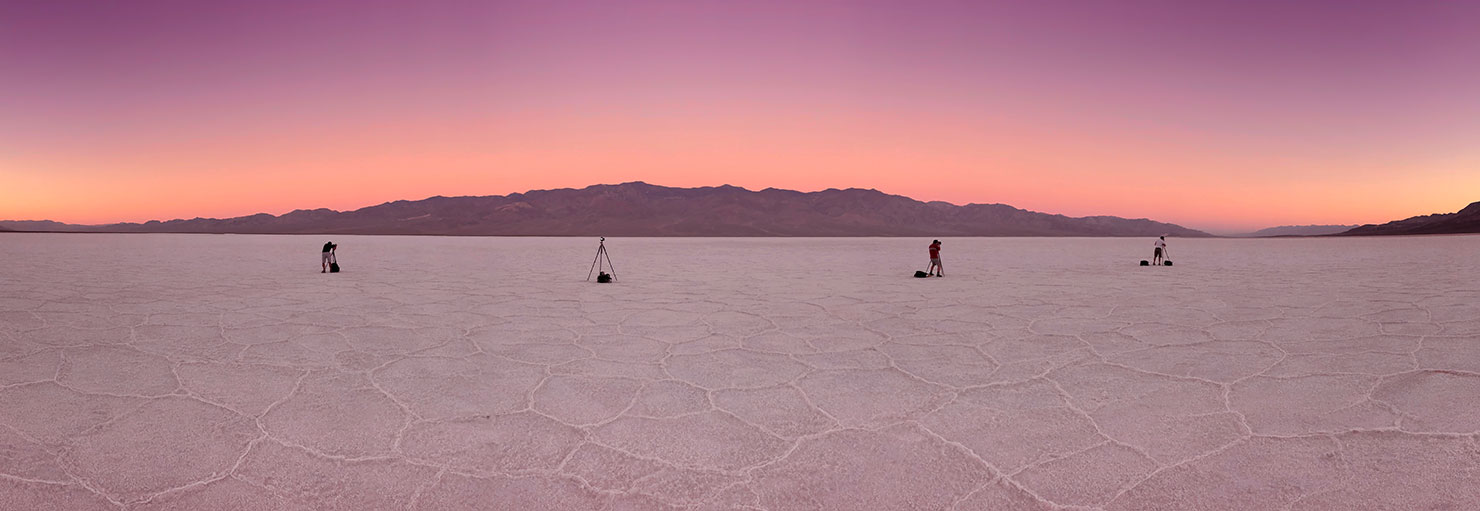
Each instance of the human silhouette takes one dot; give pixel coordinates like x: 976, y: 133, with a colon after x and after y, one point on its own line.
x: 328, y: 256
x: 935, y: 267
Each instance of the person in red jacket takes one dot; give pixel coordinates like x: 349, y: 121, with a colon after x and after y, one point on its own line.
x: 935, y: 268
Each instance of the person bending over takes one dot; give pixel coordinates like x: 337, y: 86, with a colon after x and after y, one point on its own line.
x: 935, y: 268
x: 328, y: 256
x: 1160, y: 251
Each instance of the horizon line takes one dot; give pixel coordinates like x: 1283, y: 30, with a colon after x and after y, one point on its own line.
x: 1219, y: 232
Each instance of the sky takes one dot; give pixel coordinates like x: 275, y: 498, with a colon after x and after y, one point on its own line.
x: 1221, y: 115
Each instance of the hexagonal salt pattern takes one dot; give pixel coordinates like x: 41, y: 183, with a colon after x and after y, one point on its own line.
x: 225, y: 372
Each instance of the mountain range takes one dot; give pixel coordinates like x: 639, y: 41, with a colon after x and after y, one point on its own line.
x: 641, y: 209
x: 1296, y: 230
x: 1464, y: 221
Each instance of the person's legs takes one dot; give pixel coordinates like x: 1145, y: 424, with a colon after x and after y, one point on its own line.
x: 325, y: 263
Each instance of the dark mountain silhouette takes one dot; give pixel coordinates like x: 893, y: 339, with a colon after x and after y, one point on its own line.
x: 640, y: 209
x: 1296, y: 230
x: 1464, y: 221
x: 38, y: 225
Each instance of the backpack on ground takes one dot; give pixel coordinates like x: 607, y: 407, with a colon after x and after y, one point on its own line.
x: 920, y: 274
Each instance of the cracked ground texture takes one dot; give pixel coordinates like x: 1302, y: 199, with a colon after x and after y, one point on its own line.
x: 225, y: 372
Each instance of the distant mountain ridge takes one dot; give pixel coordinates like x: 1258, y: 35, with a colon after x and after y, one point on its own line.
x: 641, y: 209
x: 1464, y: 221
x: 38, y: 225
x: 1296, y: 230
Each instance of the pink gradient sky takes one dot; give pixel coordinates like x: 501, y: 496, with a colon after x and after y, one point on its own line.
x: 1224, y: 116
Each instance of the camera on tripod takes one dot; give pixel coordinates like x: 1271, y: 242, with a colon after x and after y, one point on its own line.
x: 601, y: 263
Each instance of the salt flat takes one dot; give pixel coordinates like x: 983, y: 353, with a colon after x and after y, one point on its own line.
x: 226, y: 372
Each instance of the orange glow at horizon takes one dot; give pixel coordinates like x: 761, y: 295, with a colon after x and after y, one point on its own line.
x: 1075, y: 178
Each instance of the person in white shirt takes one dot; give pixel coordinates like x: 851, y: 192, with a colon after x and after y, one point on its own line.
x: 1161, y: 249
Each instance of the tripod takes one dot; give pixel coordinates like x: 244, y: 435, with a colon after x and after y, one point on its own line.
x: 599, y: 263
